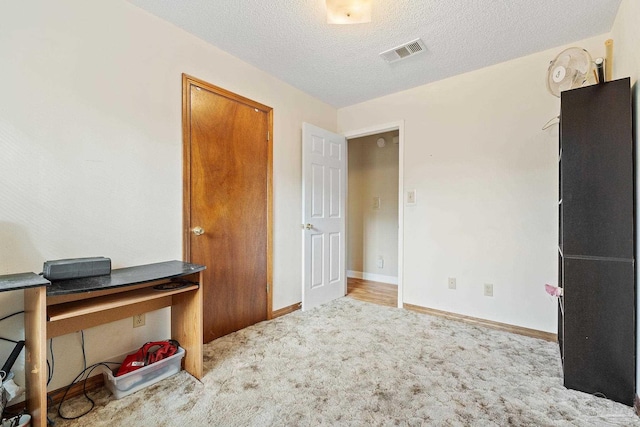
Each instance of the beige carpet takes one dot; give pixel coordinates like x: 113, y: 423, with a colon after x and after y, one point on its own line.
x: 356, y: 364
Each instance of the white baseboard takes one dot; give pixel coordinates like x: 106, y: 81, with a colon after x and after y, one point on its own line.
x: 391, y: 280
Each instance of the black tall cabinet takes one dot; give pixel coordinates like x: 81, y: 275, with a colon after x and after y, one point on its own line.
x: 596, y: 322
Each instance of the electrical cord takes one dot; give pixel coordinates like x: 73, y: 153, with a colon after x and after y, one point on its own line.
x: 86, y: 370
x: 84, y: 354
x: 51, y: 366
x: 50, y: 422
x: 11, y: 315
x: 77, y: 379
x: 6, y: 317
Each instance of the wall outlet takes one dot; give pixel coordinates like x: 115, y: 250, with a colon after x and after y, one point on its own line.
x: 452, y: 282
x: 488, y: 290
x: 380, y: 262
x: 138, y: 320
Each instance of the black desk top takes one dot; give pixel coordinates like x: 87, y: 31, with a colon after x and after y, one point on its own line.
x: 124, y: 277
x: 13, y: 282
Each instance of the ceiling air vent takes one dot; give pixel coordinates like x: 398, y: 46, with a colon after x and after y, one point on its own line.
x: 403, y: 51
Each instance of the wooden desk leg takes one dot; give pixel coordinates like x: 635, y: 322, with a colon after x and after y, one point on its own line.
x: 186, y: 327
x: 35, y: 370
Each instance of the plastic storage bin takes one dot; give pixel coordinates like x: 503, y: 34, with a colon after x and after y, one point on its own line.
x: 129, y: 383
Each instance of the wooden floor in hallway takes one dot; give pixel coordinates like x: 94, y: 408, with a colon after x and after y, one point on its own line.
x: 373, y: 292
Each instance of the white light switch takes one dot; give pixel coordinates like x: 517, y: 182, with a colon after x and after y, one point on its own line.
x: 376, y: 203
x: 411, y: 197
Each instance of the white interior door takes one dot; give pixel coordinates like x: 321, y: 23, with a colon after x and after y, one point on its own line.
x: 324, y: 190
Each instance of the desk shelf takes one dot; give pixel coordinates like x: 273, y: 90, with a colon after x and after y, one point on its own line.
x: 72, y: 316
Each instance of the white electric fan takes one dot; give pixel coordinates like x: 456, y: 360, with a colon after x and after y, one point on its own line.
x: 570, y: 69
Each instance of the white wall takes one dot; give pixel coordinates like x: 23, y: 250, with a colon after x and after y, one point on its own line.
x: 373, y: 233
x: 91, y: 150
x: 626, y: 36
x: 486, y: 177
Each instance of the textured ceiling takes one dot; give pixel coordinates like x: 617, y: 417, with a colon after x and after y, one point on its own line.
x: 339, y: 64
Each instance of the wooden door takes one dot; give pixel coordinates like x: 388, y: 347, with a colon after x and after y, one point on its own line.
x: 324, y: 188
x: 227, y: 204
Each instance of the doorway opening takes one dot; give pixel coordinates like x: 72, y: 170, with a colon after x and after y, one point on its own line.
x: 398, y: 129
x: 374, y: 214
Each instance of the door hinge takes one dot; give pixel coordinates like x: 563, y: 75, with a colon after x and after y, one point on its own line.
x: 267, y: 288
x: 268, y: 135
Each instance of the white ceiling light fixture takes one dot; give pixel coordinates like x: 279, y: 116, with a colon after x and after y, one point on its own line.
x: 348, y: 11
